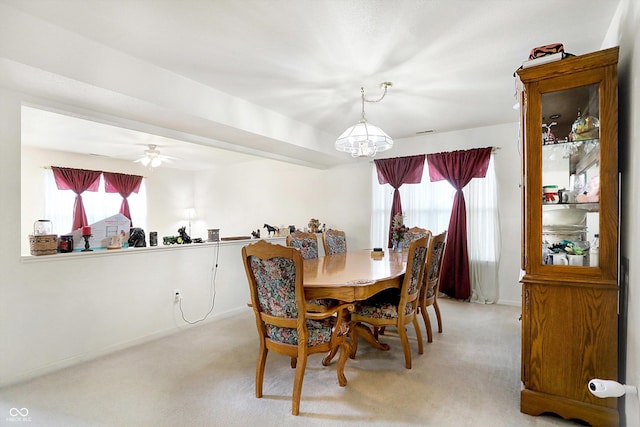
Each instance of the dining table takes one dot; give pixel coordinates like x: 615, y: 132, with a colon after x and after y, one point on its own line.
x: 354, y: 276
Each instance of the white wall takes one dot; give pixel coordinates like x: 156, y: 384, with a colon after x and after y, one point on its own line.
x: 625, y: 32
x: 241, y: 199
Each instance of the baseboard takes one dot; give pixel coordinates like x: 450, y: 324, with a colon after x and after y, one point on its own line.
x: 516, y: 303
x: 94, y: 354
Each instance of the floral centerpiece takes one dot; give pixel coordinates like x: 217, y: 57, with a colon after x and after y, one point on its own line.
x: 398, y: 231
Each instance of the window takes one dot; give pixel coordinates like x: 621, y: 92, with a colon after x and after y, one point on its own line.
x: 98, y: 205
x: 428, y: 205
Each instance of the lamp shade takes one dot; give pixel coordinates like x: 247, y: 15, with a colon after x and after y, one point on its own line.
x: 363, y: 140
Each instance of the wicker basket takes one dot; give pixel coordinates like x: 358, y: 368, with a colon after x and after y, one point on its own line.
x: 43, y: 244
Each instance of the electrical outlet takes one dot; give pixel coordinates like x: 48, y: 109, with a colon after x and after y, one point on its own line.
x: 177, y: 295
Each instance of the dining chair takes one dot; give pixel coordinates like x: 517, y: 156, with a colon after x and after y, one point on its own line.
x: 275, y: 276
x: 307, y: 243
x: 430, y: 288
x: 415, y: 233
x: 334, y: 242
x: 398, y: 311
x: 412, y: 234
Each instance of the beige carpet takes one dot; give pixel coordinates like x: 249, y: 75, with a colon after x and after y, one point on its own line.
x: 204, y: 376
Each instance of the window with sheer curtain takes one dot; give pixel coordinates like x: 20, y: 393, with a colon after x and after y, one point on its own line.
x: 98, y: 205
x: 429, y: 204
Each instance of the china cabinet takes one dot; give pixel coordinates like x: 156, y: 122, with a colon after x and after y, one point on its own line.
x: 569, y: 125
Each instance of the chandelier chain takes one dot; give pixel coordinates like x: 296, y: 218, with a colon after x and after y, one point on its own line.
x: 385, y: 85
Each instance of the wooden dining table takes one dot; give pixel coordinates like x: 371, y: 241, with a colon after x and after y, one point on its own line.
x: 354, y: 276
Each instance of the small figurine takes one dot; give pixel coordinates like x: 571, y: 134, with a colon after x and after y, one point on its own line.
x: 271, y: 229
x: 184, y: 237
x: 256, y: 234
x: 314, y: 225
x: 136, y: 238
x: 548, y: 137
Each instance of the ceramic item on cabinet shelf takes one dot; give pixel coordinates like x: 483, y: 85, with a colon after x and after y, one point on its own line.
x: 585, y: 128
x: 563, y: 196
x: 563, y: 215
x: 560, y: 259
x: 577, y: 260
x: 550, y: 194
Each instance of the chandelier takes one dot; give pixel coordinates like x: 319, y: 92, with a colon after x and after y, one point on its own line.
x: 364, y: 139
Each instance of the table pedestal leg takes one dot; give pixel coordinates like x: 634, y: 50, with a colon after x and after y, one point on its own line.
x: 363, y: 331
x: 366, y: 333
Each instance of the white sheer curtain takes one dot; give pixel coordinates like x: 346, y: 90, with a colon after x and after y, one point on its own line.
x: 428, y: 205
x: 98, y: 205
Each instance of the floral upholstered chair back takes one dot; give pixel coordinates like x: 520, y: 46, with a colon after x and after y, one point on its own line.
x: 415, y: 233
x: 415, y: 269
x: 306, y: 242
x: 335, y: 242
x: 274, y: 290
x: 434, y: 265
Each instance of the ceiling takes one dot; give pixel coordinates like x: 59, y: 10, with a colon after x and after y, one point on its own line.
x: 451, y: 62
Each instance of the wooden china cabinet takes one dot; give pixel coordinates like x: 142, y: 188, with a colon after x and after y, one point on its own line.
x: 569, y: 124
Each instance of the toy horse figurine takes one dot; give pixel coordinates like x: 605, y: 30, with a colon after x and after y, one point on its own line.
x: 270, y: 229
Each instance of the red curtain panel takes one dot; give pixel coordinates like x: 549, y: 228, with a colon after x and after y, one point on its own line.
x: 124, y: 185
x: 458, y: 168
x: 78, y: 181
x: 398, y: 171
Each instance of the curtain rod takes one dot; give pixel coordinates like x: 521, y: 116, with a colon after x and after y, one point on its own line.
x: 49, y: 168
x: 493, y: 151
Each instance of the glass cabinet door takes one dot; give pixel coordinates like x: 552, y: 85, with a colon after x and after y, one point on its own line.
x: 571, y: 177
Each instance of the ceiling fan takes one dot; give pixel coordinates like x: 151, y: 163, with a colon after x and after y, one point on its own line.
x: 152, y: 157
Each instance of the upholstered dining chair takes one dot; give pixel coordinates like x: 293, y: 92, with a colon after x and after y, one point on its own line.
x: 307, y: 243
x: 415, y: 233
x: 275, y: 276
x: 334, y: 242
x: 396, y: 311
x: 430, y: 288
x: 412, y: 234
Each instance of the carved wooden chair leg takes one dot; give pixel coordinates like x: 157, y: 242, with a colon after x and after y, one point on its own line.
x: 297, y: 384
x: 427, y: 324
x: 406, y: 348
x: 262, y: 359
x: 437, y: 309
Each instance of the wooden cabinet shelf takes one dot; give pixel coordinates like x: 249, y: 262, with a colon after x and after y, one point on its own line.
x: 569, y: 312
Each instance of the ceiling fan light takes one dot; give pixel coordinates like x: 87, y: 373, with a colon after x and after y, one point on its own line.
x: 155, y: 162
x: 145, y: 161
